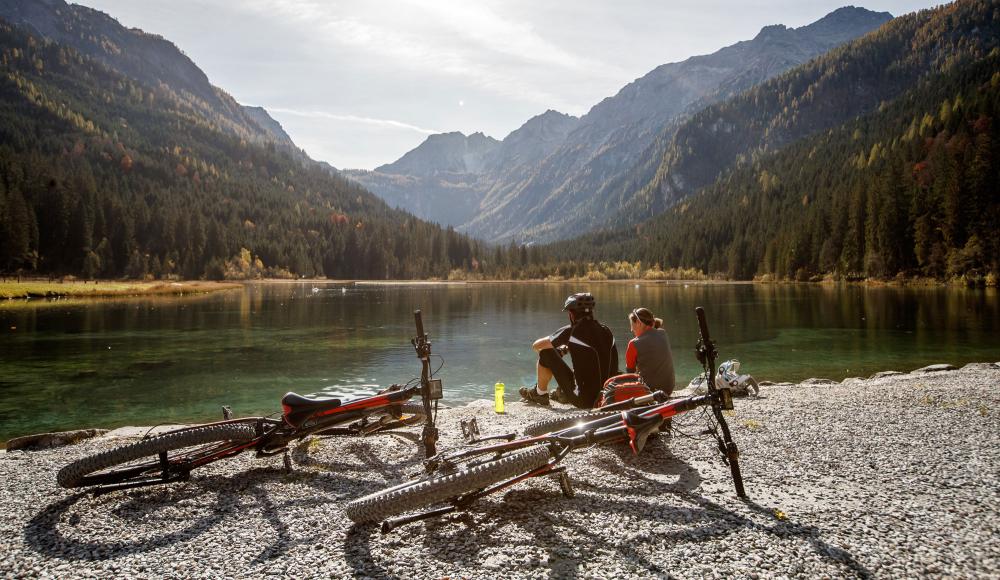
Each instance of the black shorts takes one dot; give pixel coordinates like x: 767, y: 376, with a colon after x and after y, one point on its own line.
x: 551, y: 360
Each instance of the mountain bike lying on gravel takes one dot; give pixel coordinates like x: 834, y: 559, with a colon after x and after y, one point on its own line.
x: 461, y: 477
x: 170, y: 457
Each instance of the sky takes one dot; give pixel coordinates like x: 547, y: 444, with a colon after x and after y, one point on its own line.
x: 358, y: 83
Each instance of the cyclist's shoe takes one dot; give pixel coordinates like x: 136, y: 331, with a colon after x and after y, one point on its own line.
x: 559, y: 396
x: 530, y: 394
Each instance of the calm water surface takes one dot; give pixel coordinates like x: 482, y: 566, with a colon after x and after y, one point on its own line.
x: 145, y: 361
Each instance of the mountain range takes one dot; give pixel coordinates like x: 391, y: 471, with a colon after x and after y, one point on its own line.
x: 877, y: 158
x: 119, y: 158
x: 574, y: 174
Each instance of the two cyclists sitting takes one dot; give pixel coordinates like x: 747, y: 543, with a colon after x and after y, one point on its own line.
x: 592, y: 349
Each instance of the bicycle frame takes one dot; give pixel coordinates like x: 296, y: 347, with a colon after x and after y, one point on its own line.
x: 301, y: 417
x: 636, y: 421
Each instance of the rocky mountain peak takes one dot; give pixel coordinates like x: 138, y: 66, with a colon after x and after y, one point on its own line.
x: 445, y: 153
x: 838, y: 26
x: 770, y: 30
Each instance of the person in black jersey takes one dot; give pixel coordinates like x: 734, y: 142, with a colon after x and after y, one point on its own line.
x: 591, y: 346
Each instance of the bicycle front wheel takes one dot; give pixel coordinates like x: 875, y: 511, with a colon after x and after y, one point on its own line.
x: 141, y: 460
x: 442, y: 487
x: 560, y: 423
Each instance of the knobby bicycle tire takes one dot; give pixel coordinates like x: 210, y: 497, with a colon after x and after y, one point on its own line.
x: 77, y: 474
x: 560, y: 423
x: 415, y: 409
x: 442, y: 487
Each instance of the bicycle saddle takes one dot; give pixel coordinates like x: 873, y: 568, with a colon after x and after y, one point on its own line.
x: 296, y: 408
x: 640, y: 429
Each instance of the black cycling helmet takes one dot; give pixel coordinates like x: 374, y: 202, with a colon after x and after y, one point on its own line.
x: 580, y: 303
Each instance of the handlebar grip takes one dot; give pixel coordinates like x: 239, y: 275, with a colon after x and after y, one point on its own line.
x: 420, y: 323
x: 702, y: 325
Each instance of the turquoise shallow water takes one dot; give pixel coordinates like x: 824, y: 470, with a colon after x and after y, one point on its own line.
x: 110, y: 363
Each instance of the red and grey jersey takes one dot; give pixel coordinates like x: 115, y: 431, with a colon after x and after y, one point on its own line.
x: 651, y: 357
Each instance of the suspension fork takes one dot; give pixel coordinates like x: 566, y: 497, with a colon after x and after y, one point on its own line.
x: 429, y: 435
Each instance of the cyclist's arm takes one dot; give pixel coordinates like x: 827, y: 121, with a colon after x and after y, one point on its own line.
x: 631, y: 357
x: 554, y: 340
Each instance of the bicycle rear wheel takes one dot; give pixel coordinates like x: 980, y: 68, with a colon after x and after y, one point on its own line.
x: 141, y: 460
x: 412, y: 413
x: 442, y: 487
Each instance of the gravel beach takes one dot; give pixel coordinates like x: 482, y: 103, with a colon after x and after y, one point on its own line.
x: 895, y: 476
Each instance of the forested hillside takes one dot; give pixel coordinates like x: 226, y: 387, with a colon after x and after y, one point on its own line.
x: 911, y: 189
x: 102, y: 175
x: 146, y: 58
x: 853, y: 80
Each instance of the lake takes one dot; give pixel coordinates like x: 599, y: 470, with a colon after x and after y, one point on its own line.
x: 143, y: 361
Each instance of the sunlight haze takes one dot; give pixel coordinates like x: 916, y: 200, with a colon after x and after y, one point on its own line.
x: 358, y: 84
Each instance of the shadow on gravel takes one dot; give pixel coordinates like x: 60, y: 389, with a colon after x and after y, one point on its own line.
x: 461, y: 537
x: 51, y: 531
x: 811, y: 534
x: 715, y: 520
x: 360, y: 449
x: 358, y: 552
x: 44, y: 534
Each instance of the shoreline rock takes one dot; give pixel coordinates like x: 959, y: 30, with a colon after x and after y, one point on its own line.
x: 50, y: 440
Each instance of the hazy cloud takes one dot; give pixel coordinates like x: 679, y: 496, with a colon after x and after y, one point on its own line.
x: 384, y: 123
x: 358, y: 83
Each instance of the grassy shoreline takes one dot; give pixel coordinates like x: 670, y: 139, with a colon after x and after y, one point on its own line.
x: 29, y: 289
x: 12, y: 290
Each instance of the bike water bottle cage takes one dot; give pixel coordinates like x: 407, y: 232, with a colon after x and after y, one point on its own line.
x: 296, y: 408
x: 639, y: 429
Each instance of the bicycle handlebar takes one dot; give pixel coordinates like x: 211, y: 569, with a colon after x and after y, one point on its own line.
x: 702, y: 325
x: 418, y: 319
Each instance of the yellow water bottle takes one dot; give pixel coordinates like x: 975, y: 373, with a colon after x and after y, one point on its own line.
x: 498, y: 397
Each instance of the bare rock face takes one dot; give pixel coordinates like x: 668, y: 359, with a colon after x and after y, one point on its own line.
x: 885, y: 374
x: 449, y: 176
x: 49, y: 440
x: 936, y: 368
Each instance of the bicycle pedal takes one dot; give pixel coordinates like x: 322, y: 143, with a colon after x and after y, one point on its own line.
x: 470, y: 430
x: 566, y: 485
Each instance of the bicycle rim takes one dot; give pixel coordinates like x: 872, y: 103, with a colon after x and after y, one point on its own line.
x: 141, y: 460
x: 442, y: 487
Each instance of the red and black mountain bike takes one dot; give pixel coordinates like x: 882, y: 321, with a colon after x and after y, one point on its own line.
x: 171, y: 456
x: 461, y: 477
